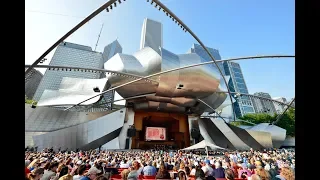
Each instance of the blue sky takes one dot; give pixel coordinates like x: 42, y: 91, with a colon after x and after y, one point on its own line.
x: 235, y: 28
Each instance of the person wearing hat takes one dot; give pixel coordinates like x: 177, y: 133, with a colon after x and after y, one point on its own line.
x: 207, y: 169
x: 92, y: 174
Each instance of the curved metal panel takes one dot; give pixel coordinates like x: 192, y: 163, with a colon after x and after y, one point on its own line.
x: 86, y: 136
x: 141, y: 63
x: 199, y: 81
x: 168, y: 81
x: 263, y: 138
x: 150, y: 61
x: 247, y: 138
x: 289, y: 141
x: 278, y: 134
x: 212, y: 134
x: 179, y: 101
x: 71, y: 91
x: 158, y: 106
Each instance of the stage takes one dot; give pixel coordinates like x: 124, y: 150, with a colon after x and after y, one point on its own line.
x: 174, y: 126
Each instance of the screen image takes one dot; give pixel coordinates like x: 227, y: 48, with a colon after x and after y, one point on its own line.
x: 156, y: 134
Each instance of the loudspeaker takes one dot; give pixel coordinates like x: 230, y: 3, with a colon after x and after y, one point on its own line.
x: 131, y: 132
x: 195, y: 133
x: 127, y: 143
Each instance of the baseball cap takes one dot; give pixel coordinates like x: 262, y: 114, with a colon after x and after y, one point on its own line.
x: 79, y: 162
x: 94, y: 170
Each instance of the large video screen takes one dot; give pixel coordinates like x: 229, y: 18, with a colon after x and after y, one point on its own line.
x: 156, y: 134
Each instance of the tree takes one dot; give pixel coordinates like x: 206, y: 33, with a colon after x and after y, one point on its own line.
x: 286, y: 122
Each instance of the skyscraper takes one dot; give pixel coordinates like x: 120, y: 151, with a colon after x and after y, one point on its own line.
x: 196, y: 48
x: 32, y: 81
x: 69, y: 54
x: 243, y: 104
x: 262, y: 105
x: 110, y: 50
x: 279, y: 107
x: 151, y: 35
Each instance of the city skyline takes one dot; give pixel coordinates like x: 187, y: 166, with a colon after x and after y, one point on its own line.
x: 266, y: 70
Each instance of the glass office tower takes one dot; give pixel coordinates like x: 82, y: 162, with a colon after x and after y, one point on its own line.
x: 243, y: 104
x: 151, y: 35
x: 196, y: 48
x: 32, y: 81
x: 69, y: 54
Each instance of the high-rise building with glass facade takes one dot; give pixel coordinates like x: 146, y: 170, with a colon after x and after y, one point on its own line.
x: 279, y: 107
x: 243, y: 104
x: 262, y: 105
x: 70, y: 54
x: 196, y: 48
x: 32, y: 81
x: 110, y: 50
x: 151, y: 35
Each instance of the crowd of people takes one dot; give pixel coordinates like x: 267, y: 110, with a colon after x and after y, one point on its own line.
x: 104, y: 165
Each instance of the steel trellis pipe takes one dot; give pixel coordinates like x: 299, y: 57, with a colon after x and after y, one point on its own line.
x: 244, y: 94
x: 91, y: 69
x: 280, y: 116
x: 148, y: 76
x: 212, y: 109
x: 203, y: 46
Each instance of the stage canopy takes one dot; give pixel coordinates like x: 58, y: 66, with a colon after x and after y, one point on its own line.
x: 202, y: 145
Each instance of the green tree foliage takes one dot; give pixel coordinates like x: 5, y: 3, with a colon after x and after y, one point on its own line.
x: 287, y: 121
x: 30, y: 101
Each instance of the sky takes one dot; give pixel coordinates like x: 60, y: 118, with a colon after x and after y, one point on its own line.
x: 235, y: 28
